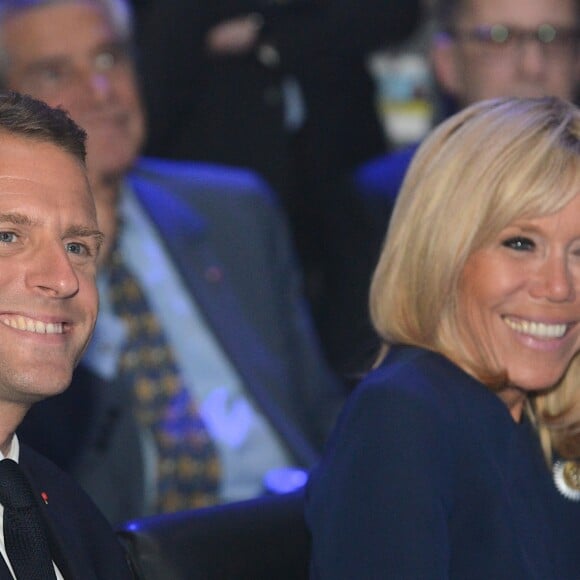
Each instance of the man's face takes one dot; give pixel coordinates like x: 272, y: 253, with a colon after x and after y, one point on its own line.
x: 48, y: 247
x: 472, y: 70
x: 68, y: 55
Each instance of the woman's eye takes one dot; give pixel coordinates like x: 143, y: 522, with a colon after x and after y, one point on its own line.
x: 519, y: 243
x: 7, y: 237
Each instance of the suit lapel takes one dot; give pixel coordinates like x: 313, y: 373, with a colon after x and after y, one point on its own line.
x: 184, y: 233
x: 63, y: 538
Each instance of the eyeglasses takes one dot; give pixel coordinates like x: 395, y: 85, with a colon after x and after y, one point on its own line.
x: 500, y: 40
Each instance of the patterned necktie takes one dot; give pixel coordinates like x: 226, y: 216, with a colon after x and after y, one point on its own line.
x: 25, y: 538
x: 188, y: 467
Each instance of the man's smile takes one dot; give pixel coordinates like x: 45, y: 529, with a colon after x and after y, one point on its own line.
x: 32, y: 325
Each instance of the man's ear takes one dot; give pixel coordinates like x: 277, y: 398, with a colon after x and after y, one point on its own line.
x: 445, y: 66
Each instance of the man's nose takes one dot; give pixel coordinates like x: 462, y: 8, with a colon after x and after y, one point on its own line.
x: 531, y: 56
x: 51, y: 272
x: 96, y: 83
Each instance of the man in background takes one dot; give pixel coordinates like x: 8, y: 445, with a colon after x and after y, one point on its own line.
x: 483, y: 49
x: 204, y: 374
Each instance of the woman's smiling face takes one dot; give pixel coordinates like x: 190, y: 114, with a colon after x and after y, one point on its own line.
x: 519, y: 301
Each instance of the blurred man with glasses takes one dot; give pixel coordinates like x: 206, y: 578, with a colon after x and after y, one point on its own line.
x: 492, y: 48
x: 482, y: 49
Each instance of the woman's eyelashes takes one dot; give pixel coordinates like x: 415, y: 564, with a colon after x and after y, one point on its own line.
x: 519, y: 243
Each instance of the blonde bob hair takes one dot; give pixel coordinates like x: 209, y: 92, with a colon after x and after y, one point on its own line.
x: 493, y: 163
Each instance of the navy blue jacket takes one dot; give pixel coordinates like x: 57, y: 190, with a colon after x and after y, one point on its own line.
x: 428, y: 477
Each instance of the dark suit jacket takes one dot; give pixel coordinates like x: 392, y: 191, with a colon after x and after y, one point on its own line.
x: 82, y: 543
x: 377, y: 183
x: 380, y: 179
x: 230, y: 245
x: 428, y: 477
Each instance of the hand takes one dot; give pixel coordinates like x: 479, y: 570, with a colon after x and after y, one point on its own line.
x: 234, y: 36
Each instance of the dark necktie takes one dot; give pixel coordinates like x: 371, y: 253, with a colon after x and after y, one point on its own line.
x: 188, y: 465
x: 24, y: 533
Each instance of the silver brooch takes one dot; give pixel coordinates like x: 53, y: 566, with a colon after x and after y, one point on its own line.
x: 567, y: 478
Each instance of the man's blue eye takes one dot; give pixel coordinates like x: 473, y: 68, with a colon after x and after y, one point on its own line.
x: 6, y: 237
x: 51, y: 75
x: 75, y: 248
x: 105, y: 61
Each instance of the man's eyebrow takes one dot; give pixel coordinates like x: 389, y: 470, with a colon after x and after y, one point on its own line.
x: 74, y: 231
x: 48, y: 62
x: 114, y: 45
x: 85, y: 232
x: 18, y: 219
